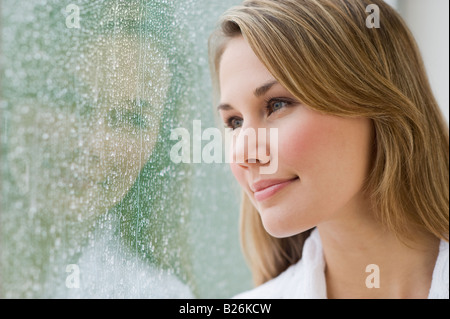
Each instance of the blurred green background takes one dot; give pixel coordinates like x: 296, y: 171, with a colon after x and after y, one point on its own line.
x: 86, y: 178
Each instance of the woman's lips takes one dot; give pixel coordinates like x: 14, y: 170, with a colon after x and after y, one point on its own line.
x: 265, y: 189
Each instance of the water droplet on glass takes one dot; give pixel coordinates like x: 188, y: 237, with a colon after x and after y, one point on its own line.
x: 82, y: 187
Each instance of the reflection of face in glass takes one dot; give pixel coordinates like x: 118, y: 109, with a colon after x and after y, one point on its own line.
x: 97, y: 149
x: 81, y: 122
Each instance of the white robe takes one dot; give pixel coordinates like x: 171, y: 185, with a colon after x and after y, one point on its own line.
x: 306, y: 279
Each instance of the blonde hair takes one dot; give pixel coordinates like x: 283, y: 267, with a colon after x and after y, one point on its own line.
x: 323, y: 53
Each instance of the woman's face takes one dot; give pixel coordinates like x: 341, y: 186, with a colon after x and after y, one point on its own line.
x: 323, y: 161
x: 89, y: 160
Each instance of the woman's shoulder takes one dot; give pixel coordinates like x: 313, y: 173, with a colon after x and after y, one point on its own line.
x: 279, y: 287
x: 305, y: 279
x: 440, y: 282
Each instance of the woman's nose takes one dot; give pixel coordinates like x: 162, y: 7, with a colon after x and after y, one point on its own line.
x: 251, y: 147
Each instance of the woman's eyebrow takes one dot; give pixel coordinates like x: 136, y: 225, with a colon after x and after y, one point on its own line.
x: 224, y: 107
x: 260, y: 91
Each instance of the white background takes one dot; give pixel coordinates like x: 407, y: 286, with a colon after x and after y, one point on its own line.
x: 429, y: 21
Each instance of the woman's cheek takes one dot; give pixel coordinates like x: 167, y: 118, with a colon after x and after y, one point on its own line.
x: 299, y: 145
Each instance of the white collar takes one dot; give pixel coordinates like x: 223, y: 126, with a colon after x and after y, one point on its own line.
x: 313, y: 271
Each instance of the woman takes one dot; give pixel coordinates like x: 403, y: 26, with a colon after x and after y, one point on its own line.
x: 85, y: 173
x: 358, y: 207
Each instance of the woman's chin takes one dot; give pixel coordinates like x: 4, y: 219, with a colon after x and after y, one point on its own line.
x: 282, y: 227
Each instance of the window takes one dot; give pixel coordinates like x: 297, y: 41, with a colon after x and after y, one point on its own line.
x: 92, y: 205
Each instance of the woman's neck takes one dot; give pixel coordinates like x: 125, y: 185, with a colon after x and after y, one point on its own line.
x: 363, y: 260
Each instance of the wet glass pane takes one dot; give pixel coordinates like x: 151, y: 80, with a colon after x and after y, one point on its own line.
x: 91, y: 203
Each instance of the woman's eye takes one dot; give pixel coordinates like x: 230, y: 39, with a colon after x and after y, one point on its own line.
x: 276, y: 105
x: 128, y: 119
x: 272, y: 105
x: 234, y: 123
